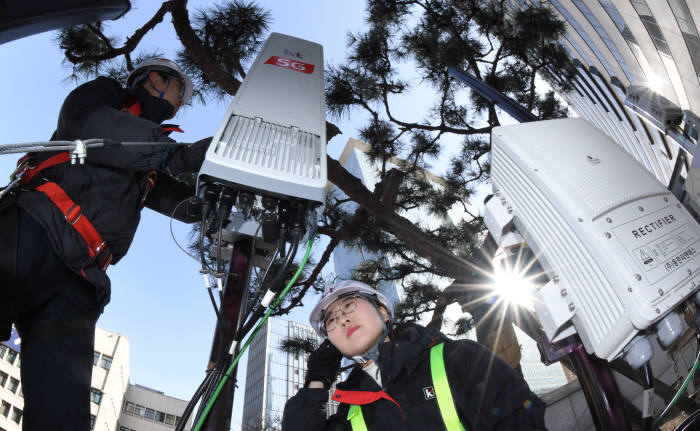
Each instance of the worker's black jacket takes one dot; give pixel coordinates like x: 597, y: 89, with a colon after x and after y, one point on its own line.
x: 488, y: 394
x: 112, y: 183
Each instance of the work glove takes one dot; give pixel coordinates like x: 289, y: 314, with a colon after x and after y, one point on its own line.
x: 323, y: 364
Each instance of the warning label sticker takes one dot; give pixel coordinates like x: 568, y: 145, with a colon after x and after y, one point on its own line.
x: 661, y: 242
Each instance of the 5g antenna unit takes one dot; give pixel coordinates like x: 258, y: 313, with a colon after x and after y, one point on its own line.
x: 272, y: 140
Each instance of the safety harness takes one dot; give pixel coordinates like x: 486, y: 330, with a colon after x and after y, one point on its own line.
x: 72, y: 212
x: 442, y: 393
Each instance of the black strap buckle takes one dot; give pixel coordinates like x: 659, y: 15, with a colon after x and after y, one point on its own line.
x: 100, y: 250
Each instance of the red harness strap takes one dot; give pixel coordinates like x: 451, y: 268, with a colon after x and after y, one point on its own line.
x: 30, y: 172
x: 74, y: 216
x: 363, y: 397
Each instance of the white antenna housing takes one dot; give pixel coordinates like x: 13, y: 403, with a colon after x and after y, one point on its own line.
x: 620, y: 249
x: 273, y: 137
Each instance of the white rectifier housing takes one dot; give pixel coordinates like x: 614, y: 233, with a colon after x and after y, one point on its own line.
x: 620, y: 249
x: 273, y: 137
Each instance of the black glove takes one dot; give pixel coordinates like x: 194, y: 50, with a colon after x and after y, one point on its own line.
x: 323, y: 364
x: 187, y: 159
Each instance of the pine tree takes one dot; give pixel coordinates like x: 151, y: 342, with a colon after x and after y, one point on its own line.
x: 425, y: 37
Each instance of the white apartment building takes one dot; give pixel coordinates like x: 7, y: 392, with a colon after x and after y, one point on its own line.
x: 11, y: 401
x: 115, y: 405
x: 150, y: 410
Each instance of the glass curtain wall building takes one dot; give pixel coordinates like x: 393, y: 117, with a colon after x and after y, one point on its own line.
x: 638, y: 79
x: 273, y: 375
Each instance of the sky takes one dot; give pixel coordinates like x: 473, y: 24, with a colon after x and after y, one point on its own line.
x: 158, y: 299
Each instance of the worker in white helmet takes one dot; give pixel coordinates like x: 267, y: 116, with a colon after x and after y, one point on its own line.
x: 406, y: 377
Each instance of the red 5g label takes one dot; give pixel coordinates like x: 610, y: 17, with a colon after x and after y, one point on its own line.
x: 290, y: 64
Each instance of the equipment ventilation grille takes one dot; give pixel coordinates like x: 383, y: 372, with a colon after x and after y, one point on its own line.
x: 260, y: 144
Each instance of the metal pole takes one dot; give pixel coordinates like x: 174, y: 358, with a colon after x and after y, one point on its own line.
x: 232, y: 315
x: 494, y: 96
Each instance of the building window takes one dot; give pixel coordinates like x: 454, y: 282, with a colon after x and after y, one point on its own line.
x: 95, y: 395
x: 3, y: 379
x: 150, y: 414
x: 95, y: 358
x: 139, y: 410
x: 160, y: 417
x: 92, y: 422
x: 169, y: 420
x: 106, y: 362
x: 14, y: 384
x: 3, y: 349
x: 16, y: 415
x: 5, y: 408
x: 129, y: 407
x: 11, y: 356
x: 121, y: 428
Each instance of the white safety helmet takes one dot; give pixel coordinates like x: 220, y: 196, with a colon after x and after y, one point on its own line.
x: 340, y: 289
x: 166, y: 66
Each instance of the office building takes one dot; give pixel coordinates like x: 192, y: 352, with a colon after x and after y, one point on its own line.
x: 11, y: 400
x: 151, y: 410
x: 273, y: 375
x: 638, y: 80
x: 110, y: 378
x: 115, y: 405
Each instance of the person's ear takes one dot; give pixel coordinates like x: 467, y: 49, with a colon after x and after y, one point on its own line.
x: 385, y: 314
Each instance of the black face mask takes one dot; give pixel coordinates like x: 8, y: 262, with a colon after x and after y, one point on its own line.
x: 153, y: 108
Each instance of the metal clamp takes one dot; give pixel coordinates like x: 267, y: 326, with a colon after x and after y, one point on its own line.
x: 77, y: 217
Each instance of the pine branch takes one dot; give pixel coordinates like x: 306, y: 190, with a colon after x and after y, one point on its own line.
x: 131, y: 42
x: 194, y: 47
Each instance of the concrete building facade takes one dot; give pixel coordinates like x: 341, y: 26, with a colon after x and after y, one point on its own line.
x: 151, y: 410
x: 110, y: 378
x: 115, y: 404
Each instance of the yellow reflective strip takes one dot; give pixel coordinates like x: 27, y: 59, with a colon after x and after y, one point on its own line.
x: 357, y: 421
x: 442, y: 390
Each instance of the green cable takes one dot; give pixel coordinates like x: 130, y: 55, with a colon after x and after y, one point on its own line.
x: 270, y: 309
x: 680, y: 391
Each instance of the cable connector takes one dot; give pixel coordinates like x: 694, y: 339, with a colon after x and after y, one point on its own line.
x: 220, y: 283
x: 79, y: 152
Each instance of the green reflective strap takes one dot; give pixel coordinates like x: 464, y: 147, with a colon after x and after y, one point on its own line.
x: 357, y: 421
x: 442, y: 390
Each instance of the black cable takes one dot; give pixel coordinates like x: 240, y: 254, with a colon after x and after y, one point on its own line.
x: 691, y: 423
x: 193, y: 401
x: 276, y: 283
x: 648, y: 383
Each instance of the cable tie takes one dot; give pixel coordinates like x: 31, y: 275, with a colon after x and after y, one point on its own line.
x: 233, y: 347
x: 220, y: 284
x: 269, y: 296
